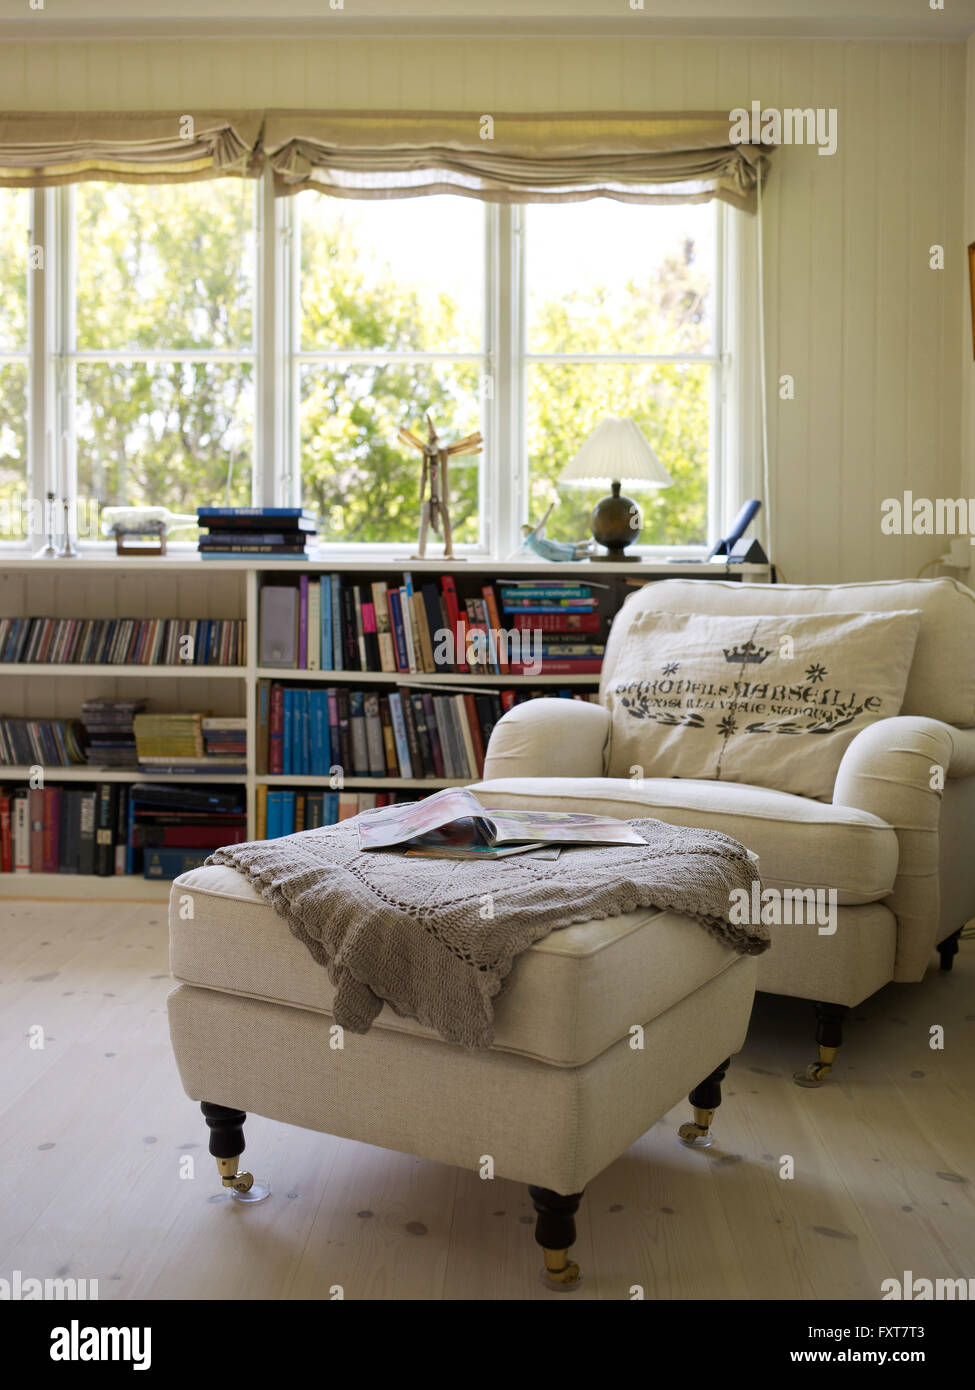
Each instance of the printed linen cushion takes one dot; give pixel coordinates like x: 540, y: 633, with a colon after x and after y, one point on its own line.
x: 770, y: 700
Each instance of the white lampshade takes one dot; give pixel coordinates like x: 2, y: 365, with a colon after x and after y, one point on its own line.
x: 616, y: 452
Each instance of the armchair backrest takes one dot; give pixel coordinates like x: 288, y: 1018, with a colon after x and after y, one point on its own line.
x: 942, y: 680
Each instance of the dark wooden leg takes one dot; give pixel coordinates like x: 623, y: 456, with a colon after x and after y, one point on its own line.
x: 555, y: 1232
x: 829, y: 1036
x: 227, y: 1144
x: 948, y: 949
x: 705, y: 1099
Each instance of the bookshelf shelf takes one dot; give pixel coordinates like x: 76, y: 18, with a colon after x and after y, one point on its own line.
x: 79, y: 669
x: 468, y: 682
x: 180, y: 584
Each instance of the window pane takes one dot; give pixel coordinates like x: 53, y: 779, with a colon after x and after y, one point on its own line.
x: 176, y: 434
x: 166, y: 266
x: 672, y: 406
x: 604, y: 276
x: 13, y: 269
x: 400, y: 275
x: 14, y: 520
x: 364, y: 484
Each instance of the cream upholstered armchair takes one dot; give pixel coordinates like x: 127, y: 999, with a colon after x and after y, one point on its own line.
x: 893, y: 843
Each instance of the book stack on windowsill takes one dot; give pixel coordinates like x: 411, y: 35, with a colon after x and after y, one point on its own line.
x: 175, y: 743
x: 277, y: 533
x: 566, y: 615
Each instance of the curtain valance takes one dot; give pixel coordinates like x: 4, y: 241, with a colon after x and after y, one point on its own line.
x: 667, y: 157
x: 42, y: 149
x: 657, y: 158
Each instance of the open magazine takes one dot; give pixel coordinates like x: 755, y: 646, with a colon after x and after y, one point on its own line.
x: 452, y: 824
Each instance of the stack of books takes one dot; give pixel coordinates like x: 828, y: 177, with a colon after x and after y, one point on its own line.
x: 277, y: 533
x: 173, y: 829
x: 325, y: 623
x: 410, y: 733
x: 109, y: 731
x: 566, y: 615
x: 175, y: 743
x: 225, y: 739
x: 50, y: 742
x: 286, y: 812
x: 124, y: 641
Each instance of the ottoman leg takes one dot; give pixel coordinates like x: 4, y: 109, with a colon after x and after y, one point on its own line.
x: 226, y: 1145
x: 829, y: 1036
x: 705, y: 1099
x: 555, y: 1231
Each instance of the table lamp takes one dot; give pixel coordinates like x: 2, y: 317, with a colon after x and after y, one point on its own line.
x: 616, y: 452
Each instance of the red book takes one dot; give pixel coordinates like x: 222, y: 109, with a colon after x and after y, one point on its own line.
x: 471, y: 706
x: 192, y: 836
x: 52, y: 828
x: 507, y: 700
x: 6, y: 843
x: 580, y: 666
x: 556, y: 622
x: 454, y: 619
x: 276, y: 730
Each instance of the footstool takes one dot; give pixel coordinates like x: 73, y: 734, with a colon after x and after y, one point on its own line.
x: 602, y: 1029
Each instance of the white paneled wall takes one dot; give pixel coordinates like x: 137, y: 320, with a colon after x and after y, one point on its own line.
x: 854, y: 313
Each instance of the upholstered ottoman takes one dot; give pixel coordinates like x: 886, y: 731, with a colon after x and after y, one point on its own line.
x: 601, y: 1030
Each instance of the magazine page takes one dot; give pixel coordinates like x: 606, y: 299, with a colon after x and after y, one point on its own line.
x: 564, y: 827
x: 395, y: 825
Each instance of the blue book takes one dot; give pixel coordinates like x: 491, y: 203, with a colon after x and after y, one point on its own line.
x: 399, y: 632
x: 325, y: 585
x: 273, y: 829
x: 321, y: 756
x: 287, y: 813
x: 331, y: 809
x: 256, y: 511
x: 303, y: 759
x: 338, y: 646
x: 288, y: 743
x: 233, y: 555
x: 166, y: 862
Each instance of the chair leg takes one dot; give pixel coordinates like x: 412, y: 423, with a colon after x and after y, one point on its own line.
x: 829, y: 1036
x: 226, y: 1145
x: 555, y: 1232
x: 705, y: 1100
x: 948, y: 949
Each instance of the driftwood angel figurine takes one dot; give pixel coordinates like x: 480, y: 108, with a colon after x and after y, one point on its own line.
x: 433, y: 508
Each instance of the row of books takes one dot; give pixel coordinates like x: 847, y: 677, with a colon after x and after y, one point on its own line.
x: 280, y: 533
x: 109, y: 731
x: 190, y: 742
x: 283, y: 812
x: 325, y: 623
x: 124, y: 641
x: 50, y: 742
x: 113, y: 828
x: 409, y: 732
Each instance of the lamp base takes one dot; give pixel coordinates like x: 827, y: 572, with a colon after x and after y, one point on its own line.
x: 617, y: 557
x: 616, y: 523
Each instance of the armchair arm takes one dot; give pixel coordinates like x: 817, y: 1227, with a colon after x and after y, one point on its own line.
x: 896, y: 769
x: 549, y: 738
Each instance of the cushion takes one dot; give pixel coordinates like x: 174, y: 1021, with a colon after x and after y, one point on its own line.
x: 772, y: 700
x: 799, y: 843
x: 572, y: 995
x: 942, y: 679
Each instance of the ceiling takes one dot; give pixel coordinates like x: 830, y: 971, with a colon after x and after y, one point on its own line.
x: 121, y: 19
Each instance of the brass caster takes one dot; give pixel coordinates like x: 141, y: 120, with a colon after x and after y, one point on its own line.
x: 697, y: 1134
x: 242, y: 1185
x: 560, y: 1273
x: 816, y: 1072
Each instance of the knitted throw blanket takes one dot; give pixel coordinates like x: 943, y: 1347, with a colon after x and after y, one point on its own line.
x: 436, y: 939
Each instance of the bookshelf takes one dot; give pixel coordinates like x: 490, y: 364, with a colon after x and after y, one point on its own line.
x: 181, y: 585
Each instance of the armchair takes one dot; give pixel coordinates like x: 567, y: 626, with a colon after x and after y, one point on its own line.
x: 891, y: 847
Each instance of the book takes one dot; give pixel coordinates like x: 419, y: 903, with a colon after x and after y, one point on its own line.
x: 278, y: 627
x: 380, y: 602
x: 314, y: 639
x: 456, y: 623
x: 325, y: 619
x: 302, y: 662
x: 454, y: 818
x: 338, y: 644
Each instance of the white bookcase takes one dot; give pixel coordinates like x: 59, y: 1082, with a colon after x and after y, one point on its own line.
x: 181, y: 585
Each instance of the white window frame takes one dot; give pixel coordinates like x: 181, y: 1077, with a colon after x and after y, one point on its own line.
x: 734, y: 452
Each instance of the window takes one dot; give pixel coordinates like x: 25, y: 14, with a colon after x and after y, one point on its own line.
x: 392, y: 326
x: 14, y: 361
x: 160, y: 345
x: 214, y: 346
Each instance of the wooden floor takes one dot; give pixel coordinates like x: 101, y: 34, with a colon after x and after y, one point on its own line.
x: 95, y: 1134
